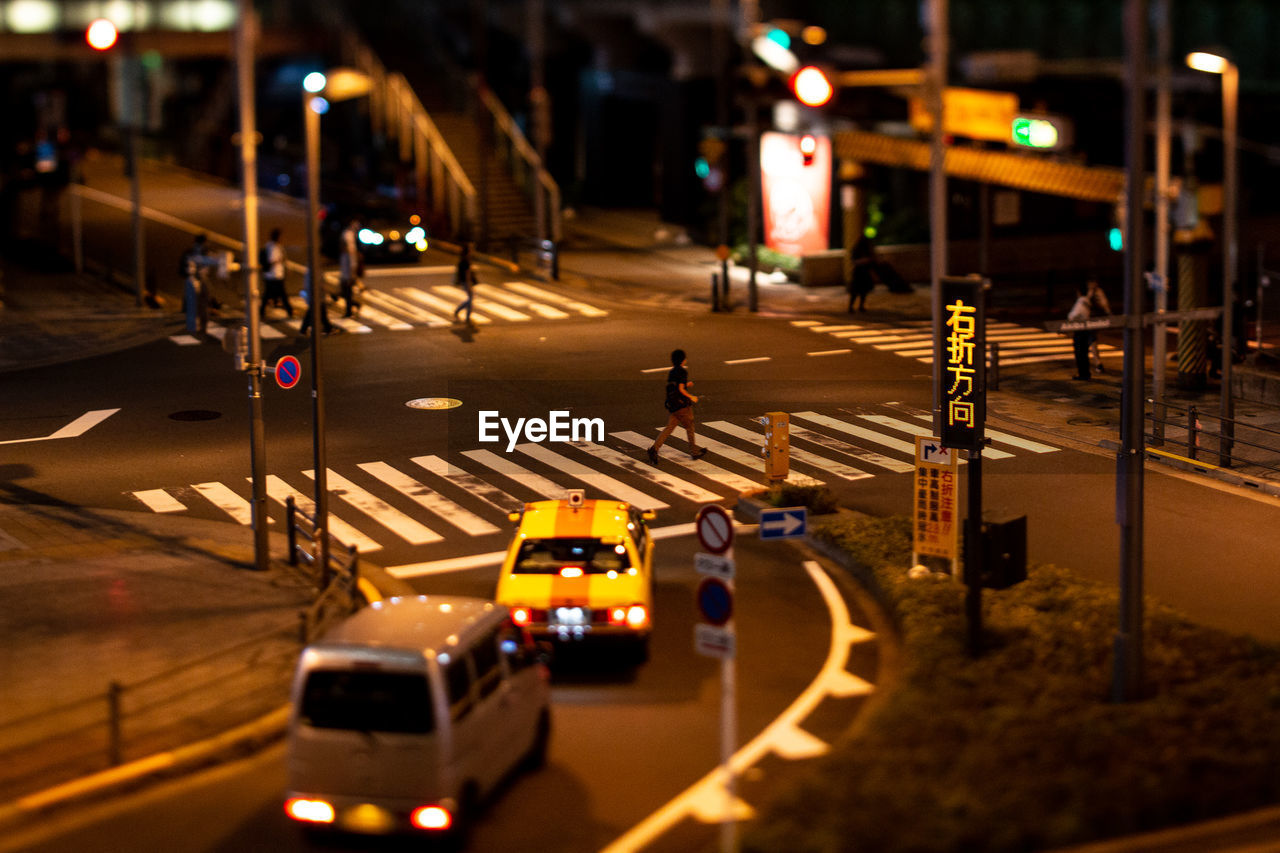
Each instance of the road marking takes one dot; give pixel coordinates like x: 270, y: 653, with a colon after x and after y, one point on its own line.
x: 463, y: 519
x: 538, y: 293
x: 830, y: 352
x: 547, y: 312
x: 489, y: 307
x: 683, y: 488
x: 280, y: 491
x: 712, y: 472
x: 747, y: 460
x: 75, y: 429
x: 432, y: 301
x: 777, y: 737
x: 158, y: 500
x: 1007, y: 438
x: 471, y: 484
x: 830, y: 466
x: 859, y: 432
x: 535, y: 482
x: 221, y: 496
x: 912, y: 429
x: 655, y: 369
x: 868, y: 456
x: 409, y: 529
x: 804, y: 323
x: 611, y: 487
x: 392, y: 302
x: 749, y: 360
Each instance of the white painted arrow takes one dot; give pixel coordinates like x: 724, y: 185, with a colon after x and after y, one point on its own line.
x: 76, y: 428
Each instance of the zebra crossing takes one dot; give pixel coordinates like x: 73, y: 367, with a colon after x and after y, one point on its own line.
x: 428, y: 306
x: 426, y: 500
x: 914, y: 339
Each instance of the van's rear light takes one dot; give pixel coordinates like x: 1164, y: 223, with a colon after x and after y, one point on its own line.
x: 309, y: 811
x: 431, y: 817
x: 521, y: 616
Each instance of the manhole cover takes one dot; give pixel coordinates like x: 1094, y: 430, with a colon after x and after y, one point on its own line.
x: 434, y: 403
x: 195, y: 415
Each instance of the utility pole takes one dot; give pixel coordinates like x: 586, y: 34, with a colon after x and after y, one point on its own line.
x: 936, y: 28
x: 246, y: 35
x: 1127, y: 685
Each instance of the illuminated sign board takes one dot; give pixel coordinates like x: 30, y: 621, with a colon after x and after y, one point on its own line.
x: 796, y: 190
x: 936, y: 521
x: 961, y: 352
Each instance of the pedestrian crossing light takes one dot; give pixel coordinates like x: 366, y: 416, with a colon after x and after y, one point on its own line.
x: 777, y: 445
x: 808, y: 147
x: 1115, y: 238
x: 812, y: 87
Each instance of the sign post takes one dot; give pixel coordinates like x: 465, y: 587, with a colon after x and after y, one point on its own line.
x: 935, y: 510
x: 715, y: 637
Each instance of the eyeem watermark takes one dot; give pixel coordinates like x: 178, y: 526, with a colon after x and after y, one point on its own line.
x: 558, y: 427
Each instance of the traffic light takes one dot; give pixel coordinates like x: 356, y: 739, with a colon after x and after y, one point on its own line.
x: 101, y: 34
x: 812, y: 87
x: 808, y: 147
x: 1041, y: 131
x: 777, y: 445
x: 710, y: 165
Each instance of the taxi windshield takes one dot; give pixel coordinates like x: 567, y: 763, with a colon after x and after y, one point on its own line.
x: 549, y: 556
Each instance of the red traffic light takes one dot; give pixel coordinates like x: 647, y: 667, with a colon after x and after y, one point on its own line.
x: 811, y: 86
x: 808, y: 147
x: 101, y: 34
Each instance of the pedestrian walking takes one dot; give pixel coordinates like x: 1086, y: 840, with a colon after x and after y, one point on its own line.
x: 1081, y: 338
x: 350, y: 268
x: 679, y: 404
x: 861, y: 273
x: 1098, y: 307
x: 271, y: 260
x: 195, y: 288
x: 308, y: 317
x: 464, y: 276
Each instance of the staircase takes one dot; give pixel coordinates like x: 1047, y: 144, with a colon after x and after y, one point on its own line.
x: 504, y: 209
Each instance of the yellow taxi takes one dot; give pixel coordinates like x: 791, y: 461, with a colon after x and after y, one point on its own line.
x: 581, y: 570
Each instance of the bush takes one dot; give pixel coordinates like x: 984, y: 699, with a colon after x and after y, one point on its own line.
x: 819, y: 500
x: 1020, y: 749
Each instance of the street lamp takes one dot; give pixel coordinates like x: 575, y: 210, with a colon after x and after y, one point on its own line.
x: 1215, y: 63
x: 319, y: 90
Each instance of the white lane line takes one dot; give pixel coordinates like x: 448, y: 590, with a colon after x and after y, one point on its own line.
x: 430, y: 300
x: 868, y: 456
x: 353, y: 326
x: 184, y: 340
x: 778, y: 736
x: 463, y: 519
x: 655, y: 369
x: 1007, y: 438
x: 470, y: 483
x: 830, y: 352
x: 409, y: 529
x: 158, y: 500
x: 749, y: 360
x: 611, y: 487
x: 279, y: 491
x: 912, y: 429
x: 221, y: 496
x: 488, y: 306
x: 75, y: 429
x: 683, y: 488
x: 889, y: 441
x: 548, y: 296
x: 546, y: 312
x: 698, y: 466
x: 534, y: 482
x: 830, y: 466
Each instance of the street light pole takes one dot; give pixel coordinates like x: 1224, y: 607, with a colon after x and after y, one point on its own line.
x: 311, y: 104
x: 935, y: 76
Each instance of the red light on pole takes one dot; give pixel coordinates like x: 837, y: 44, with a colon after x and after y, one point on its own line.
x: 808, y: 147
x: 101, y: 34
x: 811, y: 86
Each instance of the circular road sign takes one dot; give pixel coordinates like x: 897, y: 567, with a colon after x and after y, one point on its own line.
x: 288, y: 371
x: 715, y: 601
x: 715, y: 528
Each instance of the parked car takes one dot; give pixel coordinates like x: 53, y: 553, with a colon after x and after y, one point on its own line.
x: 385, y: 235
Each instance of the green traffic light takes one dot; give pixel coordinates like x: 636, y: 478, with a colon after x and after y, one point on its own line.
x: 1115, y: 237
x: 701, y: 167
x: 1034, y: 133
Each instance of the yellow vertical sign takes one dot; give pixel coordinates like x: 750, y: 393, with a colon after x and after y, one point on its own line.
x: 935, y: 520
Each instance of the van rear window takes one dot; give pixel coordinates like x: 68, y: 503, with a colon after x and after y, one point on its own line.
x: 549, y: 556
x: 367, y: 702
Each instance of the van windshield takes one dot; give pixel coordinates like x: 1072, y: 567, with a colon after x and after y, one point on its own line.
x: 367, y: 701
x: 549, y: 556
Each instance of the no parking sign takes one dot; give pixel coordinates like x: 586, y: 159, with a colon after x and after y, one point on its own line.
x: 287, y: 372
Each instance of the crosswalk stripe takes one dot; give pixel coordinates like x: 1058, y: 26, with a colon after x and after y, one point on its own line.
x: 489, y: 307
x: 868, y: 456
x: 158, y: 500
x: 409, y: 529
x: 354, y: 326
x: 419, y: 295
x: 912, y: 429
x: 1007, y: 438
x: 572, y: 304
x: 184, y: 340
x: 221, y: 496
x: 463, y: 519
x: 470, y: 483
x: 830, y: 466
x: 373, y: 315
x: 728, y: 451
x: 279, y: 491
x: 699, y: 466
x: 510, y: 470
x: 603, y: 482
x: 268, y: 332
x: 805, y: 323
x: 547, y: 312
x: 683, y: 488
x: 846, y: 328
x: 392, y: 302
x: 859, y: 432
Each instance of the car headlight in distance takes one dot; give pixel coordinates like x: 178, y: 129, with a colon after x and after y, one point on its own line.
x: 309, y: 811
x: 370, y: 237
x: 417, y: 236
x: 431, y: 817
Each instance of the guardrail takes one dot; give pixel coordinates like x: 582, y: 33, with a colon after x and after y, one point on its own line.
x: 338, y: 583
x: 1187, y: 431
x: 526, y: 167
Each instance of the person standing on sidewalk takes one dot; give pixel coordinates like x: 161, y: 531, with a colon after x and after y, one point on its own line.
x: 1081, y: 339
x: 464, y: 276
x: 349, y: 267
x: 1098, y: 307
x: 679, y: 403
x: 272, y: 263
x: 195, y: 289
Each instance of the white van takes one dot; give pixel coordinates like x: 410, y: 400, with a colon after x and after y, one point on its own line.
x: 406, y: 715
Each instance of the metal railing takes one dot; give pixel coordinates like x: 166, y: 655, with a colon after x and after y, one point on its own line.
x: 525, y: 166
x: 1185, y: 429
x: 338, y: 583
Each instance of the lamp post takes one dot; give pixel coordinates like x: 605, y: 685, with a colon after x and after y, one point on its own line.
x: 318, y: 91
x: 1214, y: 63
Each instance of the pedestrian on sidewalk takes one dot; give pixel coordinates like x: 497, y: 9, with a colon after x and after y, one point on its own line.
x: 271, y: 261
x: 350, y: 267
x: 861, y: 273
x: 679, y: 404
x: 308, y: 294
x: 464, y: 276
x: 1081, y: 339
x: 195, y: 289
x: 1098, y: 307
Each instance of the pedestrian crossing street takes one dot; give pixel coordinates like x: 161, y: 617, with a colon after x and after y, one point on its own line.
x: 426, y: 500
x: 430, y: 306
x: 914, y: 339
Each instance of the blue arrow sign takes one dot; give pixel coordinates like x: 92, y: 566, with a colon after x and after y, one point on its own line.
x: 785, y: 523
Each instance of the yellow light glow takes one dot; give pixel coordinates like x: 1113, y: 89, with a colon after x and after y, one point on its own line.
x: 309, y: 811
x: 571, y: 572
x: 32, y: 16
x: 1210, y: 62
